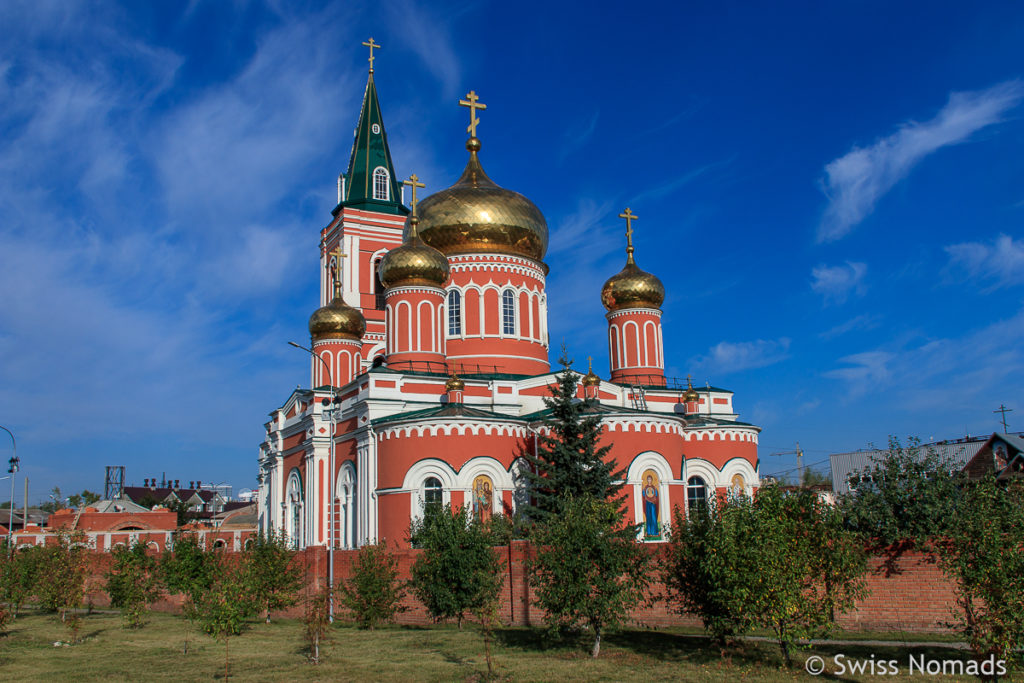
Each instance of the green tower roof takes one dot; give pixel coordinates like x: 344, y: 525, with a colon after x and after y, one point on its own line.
x: 369, y: 153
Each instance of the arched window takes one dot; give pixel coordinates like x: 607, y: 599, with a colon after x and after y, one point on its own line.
x: 378, y: 286
x: 454, y: 312
x: 347, y: 507
x: 696, y: 494
x: 431, y: 495
x: 508, y: 312
x: 295, y: 510
x: 380, y: 183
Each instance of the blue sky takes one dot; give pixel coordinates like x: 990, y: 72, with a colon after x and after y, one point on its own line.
x: 831, y: 192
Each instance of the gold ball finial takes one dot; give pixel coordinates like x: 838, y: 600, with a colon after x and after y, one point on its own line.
x: 473, y: 144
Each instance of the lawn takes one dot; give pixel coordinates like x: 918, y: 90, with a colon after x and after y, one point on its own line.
x: 276, y: 652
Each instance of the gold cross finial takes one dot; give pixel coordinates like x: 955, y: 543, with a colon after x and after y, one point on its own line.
x: 630, y: 217
x: 338, y: 255
x: 590, y: 363
x: 472, y: 101
x: 371, y: 45
x: 413, y: 182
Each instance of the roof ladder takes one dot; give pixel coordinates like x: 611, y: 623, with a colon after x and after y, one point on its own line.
x: 637, y: 396
x: 81, y: 509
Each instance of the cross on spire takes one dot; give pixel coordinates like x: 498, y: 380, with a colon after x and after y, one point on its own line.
x: 1004, y: 410
x: 472, y: 101
x: 371, y: 45
x: 413, y: 182
x: 590, y: 363
x: 630, y: 217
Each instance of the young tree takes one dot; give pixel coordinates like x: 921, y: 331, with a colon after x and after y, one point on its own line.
x: 908, y: 495
x: 133, y: 582
x: 60, y: 580
x: 19, y: 572
x: 317, y: 622
x: 569, y: 463
x: 457, y: 572
x: 984, y: 551
x: 86, y: 497
x: 190, y: 571
x: 271, y: 572
x: 374, y: 592
x: 589, y: 570
x: 224, y: 605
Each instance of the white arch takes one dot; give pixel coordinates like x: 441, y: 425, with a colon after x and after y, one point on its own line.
x: 636, y: 333
x: 743, y: 467
x: 648, y: 352
x: 381, y: 186
x: 430, y: 320
x: 419, y: 473
x: 501, y: 478
x: 698, y: 467
x: 346, y: 494
x: 295, y: 527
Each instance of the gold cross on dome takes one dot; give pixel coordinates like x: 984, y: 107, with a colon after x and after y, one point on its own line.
x: 371, y: 45
x: 472, y: 101
x: 630, y: 217
x: 590, y: 363
x: 413, y: 182
x: 338, y: 255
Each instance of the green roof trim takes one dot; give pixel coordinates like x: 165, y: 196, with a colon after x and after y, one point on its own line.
x: 369, y: 152
x: 446, y: 410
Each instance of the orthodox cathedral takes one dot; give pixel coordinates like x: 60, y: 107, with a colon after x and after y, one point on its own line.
x: 429, y: 357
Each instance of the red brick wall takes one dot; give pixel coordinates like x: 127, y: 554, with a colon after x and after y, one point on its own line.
x: 911, y: 595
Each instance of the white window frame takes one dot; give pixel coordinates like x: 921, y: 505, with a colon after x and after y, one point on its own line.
x: 381, y: 184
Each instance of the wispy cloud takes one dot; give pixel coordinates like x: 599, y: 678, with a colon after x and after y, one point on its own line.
x: 864, y: 321
x: 428, y: 35
x: 836, y: 283
x: 855, y: 182
x: 999, y: 263
x: 576, y: 136
x: 727, y: 357
x: 673, y: 184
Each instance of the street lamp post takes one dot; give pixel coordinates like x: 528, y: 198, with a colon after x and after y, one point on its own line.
x: 13, y: 464
x: 330, y: 502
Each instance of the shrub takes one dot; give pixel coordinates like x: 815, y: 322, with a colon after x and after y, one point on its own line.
x: 374, y: 592
x: 133, y: 582
x: 271, y: 573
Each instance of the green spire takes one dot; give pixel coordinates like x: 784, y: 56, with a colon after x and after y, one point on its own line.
x: 369, y: 153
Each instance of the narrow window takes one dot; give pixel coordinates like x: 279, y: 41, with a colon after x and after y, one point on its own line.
x: 380, y: 183
x: 378, y: 286
x: 431, y: 495
x: 454, y: 313
x: 696, y: 494
x: 508, y: 312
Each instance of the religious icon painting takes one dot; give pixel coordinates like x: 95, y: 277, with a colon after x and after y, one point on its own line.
x: 650, y: 488
x: 738, y: 485
x: 483, y: 497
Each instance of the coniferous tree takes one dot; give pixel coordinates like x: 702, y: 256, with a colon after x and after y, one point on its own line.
x: 569, y: 462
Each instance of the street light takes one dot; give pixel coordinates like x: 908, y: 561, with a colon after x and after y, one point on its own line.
x: 13, y: 464
x: 330, y: 504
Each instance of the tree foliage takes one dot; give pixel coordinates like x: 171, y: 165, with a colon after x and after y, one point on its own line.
x: 133, y: 582
x: 373, y: 593
x: 19, y: 573
x: 223, y: 606
x: 782, y: 562
x: 86, y: 497
x: 60, y: 576
x: 457, y: 572
x: 589, y: 570
x: 984, y: 551
x: 316, y: 620
x: 188, y: 570
x: 273, y: 576
x: 909, y: 495
x: 568, y: 462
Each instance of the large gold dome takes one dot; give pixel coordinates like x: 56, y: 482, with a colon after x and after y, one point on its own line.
x: 414, y: 263
x: 336, y: 320
x: 632, y: 288
x: 475, y: 215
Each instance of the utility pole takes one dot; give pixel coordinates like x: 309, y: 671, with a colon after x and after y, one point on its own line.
x: 1004, y: 410
x: 799, y: 453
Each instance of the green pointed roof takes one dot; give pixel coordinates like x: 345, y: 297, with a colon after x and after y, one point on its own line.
x: 369, y: 152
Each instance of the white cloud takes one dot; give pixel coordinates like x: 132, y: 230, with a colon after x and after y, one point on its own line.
x: 577, y: 135
x: 429, y: 37
x: 857, y: 180
x: 865, y: 321
x: 727, y: 357
x: 864, y: 369
x: 836, y: 283
x: 1000, y: 263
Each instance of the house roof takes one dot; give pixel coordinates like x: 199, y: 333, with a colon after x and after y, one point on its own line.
x: 955, y: 454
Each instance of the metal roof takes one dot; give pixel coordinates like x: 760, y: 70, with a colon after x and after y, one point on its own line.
x: 955, y: 453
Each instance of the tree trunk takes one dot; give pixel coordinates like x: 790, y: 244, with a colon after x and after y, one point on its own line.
x: 596, y: 650
x: 268, y: 615
x: 226, y: 639
x: 460, y: 622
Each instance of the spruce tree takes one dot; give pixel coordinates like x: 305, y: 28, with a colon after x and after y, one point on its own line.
x: 569, y: 463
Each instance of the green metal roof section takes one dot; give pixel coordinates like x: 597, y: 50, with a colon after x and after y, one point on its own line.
x: 447, y: 410
x: 370, y: 151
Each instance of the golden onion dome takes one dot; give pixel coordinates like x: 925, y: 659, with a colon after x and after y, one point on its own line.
x: 691, y: 395
x: 475, y: 215
x: 454, y: 383
x: 414, y: 263
x: 336, y: 320
x: 590, y: 379
x: 632, y: 288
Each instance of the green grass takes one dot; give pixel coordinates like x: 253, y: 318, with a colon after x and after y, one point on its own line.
x: 276, y: 652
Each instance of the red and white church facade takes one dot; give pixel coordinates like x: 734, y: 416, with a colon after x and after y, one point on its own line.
x: 431, y: 368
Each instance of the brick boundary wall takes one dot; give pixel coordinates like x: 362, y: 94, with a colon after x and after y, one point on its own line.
x: 912, y: 594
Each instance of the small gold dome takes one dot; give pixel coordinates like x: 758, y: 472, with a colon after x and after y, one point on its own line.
x: 590, y: 379
x: 454, y: 383
x: 691, y: 395
x: 336, y: 320
x: 414, y: 263
x: 632, y: 288
x: 475, y: 215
